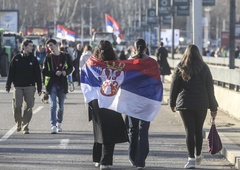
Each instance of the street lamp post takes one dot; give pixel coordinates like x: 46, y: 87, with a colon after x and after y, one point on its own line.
x: 232, y: 34
x: 55, y: 14
x: 197, y: 26
x: 82, y: 7
x: 90, y: 20
x: 173, y: 27
x: 206, y: 25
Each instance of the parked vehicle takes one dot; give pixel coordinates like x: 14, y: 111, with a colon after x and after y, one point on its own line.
x: 36, y: 39
x: 10, y: 43
x: 98, y: 36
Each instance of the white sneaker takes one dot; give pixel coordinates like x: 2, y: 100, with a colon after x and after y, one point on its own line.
x: 59, y: 127
x: 105, y: 167
x: 97, y: 164
x: 54, y: 130
x: 190, y: 164
x: 199, y: 159
x: 132, y: 164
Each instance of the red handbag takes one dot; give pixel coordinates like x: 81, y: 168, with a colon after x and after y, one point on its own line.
x: 214, y: 141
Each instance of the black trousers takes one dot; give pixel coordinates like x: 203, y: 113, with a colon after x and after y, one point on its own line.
x: 103, y: 153
x: 193, y: 122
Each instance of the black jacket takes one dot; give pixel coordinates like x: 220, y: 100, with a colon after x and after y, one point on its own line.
x: 195, y: 94
x: 50, y: 72
x: 24, y: 71
x: 162, y: 55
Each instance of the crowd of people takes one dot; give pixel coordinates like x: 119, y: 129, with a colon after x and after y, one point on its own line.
x: 218, y: 52
x: 52, y: 66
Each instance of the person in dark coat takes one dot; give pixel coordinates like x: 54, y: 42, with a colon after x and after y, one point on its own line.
x: 77, y: 53
x: 122, y: 55
x: 162, y: 55
x: 24, y: 73
x: 56, y: 68
x: 192, y: 93
x: 108, y: 125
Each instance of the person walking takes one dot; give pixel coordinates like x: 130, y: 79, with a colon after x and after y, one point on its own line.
x: 86, y: 54
x: 40, y: 54
x: 57, y: 65
x: 138, y: 129
x: 192, y: 93
x: 77, y: 55
x: 122, y: 55
x: 162, y: 55
x: 108, y: 125
x: 24, y: 73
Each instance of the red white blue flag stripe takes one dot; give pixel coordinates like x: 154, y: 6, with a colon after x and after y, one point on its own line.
x: 113, y: 26
x: 131, y: 87
x: 64, y: 33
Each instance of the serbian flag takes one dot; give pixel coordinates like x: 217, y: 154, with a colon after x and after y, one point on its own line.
x: 113, y: 26
x: 131, y: 87
x: 64, y: 33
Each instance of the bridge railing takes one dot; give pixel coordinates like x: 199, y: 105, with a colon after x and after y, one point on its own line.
x: 222, y: 75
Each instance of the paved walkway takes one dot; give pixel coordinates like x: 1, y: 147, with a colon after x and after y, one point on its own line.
x: 227, y: 126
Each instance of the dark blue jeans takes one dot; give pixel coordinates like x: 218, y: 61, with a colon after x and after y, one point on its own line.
x: 139, y: 144
x: 57, y: 97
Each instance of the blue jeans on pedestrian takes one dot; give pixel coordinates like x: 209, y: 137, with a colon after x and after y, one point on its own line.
x: 139, y: 144
x: 57, y: 97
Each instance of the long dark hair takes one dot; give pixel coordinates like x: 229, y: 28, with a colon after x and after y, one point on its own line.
x: 191, y: 62
x: 141, y: 46
x: 104, y: 51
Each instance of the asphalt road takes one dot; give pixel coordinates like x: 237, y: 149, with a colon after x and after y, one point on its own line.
x: 72, y: 148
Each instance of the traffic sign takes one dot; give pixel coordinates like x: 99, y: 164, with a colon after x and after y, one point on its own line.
x: 181, y: 2
x: 163, y: 7
x: 208, y: 2
x: 152, y: 19
x: 183, y: 10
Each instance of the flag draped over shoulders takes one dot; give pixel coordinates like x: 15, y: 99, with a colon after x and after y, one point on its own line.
x: 131, y: 87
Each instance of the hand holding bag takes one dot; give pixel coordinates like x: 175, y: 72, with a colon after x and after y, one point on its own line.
x: 214, y: 141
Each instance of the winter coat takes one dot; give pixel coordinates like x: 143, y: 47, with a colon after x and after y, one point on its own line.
x: 108, y: 125
x: 50, y: 71
x: 194, y: 94
x: 162, y: 55
x: 24, y: 71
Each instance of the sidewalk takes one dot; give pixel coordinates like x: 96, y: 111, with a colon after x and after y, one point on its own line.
x: 227, y: 126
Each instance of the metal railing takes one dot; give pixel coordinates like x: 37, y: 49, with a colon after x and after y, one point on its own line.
x: 222, y: 75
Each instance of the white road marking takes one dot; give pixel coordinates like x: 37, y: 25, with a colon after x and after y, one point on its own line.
x: 12, y: 130
x: 63, y: 143
x: 9, y: 133
x: 38, y: 109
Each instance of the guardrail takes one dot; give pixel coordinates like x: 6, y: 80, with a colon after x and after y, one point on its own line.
x: 222, y: 75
